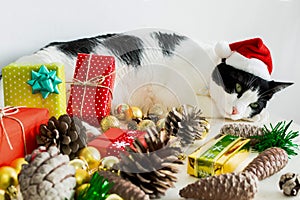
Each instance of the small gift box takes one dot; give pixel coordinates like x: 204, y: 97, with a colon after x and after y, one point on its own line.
x: 39, y: 86
x: 91, y: 89
x: 18, y: 129
x: 219, y: 155
x: 114, y: 141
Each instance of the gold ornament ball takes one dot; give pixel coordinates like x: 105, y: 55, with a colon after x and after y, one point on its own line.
x: 109, y: 161
x: 79, y: 164
x: 109, y: 122
x: 136, y: 112
x: 2, y: 194
x: 114, y: 197
x: 132, y: 125
x: 17, y: 164
x: 160, y: 124
x: 123, y: 112
x: 157, y: 110
x: 91, y: 155
x: 145, y: 124
x: 8, y: 177
x: 81, y: 188
x: 81, y: 176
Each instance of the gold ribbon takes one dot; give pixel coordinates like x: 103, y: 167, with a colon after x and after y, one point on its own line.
x: 6, y: 112
x: 95, y: 81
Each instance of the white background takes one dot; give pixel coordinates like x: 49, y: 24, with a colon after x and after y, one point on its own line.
x: 28, y: 25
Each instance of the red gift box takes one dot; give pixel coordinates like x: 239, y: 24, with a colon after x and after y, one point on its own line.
x: 114, y: 140
x: 15, y: 124
x: 91, y: 89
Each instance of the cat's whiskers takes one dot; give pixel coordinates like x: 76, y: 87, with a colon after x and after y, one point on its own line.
x: 264, y: 94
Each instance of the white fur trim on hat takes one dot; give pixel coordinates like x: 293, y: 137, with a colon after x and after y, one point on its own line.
x: 222, y: 49
x: 252, y: 65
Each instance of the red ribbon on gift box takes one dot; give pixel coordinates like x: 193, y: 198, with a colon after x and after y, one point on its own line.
x: 5, y: 113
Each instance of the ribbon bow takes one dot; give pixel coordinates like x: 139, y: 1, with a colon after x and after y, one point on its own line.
x: 96, y: 82
x: 44, y: 81
x: 5, y: 113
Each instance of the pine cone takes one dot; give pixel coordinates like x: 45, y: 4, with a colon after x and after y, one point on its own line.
x: 47, y: 175
x: 124, y: 188
x: 268, y: 163
x: 233, y: 186
x: 186, y: 122
x: 152, y: 167
x: 290, y: 184
x: 67, y: 133
x: 242, y: 130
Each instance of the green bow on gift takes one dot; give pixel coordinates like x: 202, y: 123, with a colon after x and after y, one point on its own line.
x: 44, y: 81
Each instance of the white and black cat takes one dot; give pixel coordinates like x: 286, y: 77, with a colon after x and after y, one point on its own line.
x: 237, y: 93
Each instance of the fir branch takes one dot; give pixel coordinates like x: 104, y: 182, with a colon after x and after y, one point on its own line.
x: 277, y: 137
x: 98, y: 189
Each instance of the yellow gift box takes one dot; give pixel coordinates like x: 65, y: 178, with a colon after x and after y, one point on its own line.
x: 219, y: 155
x: 17, y: 91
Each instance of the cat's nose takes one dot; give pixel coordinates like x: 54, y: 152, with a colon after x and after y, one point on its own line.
x: 234, y: 111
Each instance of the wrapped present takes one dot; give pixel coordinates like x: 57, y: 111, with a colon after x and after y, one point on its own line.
x: 39, y: 86
x: 18, y: 129
x: 91, y: 89
x: 219, y: 155
x: 114, y: 141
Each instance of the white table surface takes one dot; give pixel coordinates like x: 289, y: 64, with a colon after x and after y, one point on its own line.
x: 267, y: 189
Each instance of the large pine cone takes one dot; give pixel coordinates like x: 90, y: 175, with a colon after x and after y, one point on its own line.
x: 187, y: 123
x: 124, y: 188
x: 152, y: 167
x: 47, y: 175
x: 268, y: 163
x: 67, y: 133
x: 233, y: 186
x: 243, y: 130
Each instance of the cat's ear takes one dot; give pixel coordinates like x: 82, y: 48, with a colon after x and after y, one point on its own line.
x: 275, y: 86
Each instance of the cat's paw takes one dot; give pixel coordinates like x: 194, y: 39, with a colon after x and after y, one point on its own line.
x: 262, y: 118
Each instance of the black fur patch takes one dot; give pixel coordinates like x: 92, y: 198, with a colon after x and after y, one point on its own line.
x: 85, y: 45
x: 168, y: 42
x: 127, y: 47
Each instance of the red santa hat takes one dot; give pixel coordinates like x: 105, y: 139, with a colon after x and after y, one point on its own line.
x: 249, y: 55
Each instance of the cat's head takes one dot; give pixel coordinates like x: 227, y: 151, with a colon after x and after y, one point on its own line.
x: 241, y: 95
x: 241, y: 84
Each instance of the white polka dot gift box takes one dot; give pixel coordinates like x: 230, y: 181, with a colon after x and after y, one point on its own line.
x: 91, y: 88
x: 37, y: 86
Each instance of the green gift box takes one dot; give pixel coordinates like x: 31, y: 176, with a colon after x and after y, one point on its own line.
x: 219, y: 155
x: 39, y: 86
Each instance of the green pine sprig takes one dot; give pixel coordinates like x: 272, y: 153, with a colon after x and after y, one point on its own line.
x: 277, y: 137
x: 97, y: 190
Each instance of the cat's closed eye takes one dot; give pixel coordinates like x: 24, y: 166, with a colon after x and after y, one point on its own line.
x: 238, y: 88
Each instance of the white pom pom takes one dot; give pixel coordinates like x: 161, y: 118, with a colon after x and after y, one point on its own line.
x: 222, y: 49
